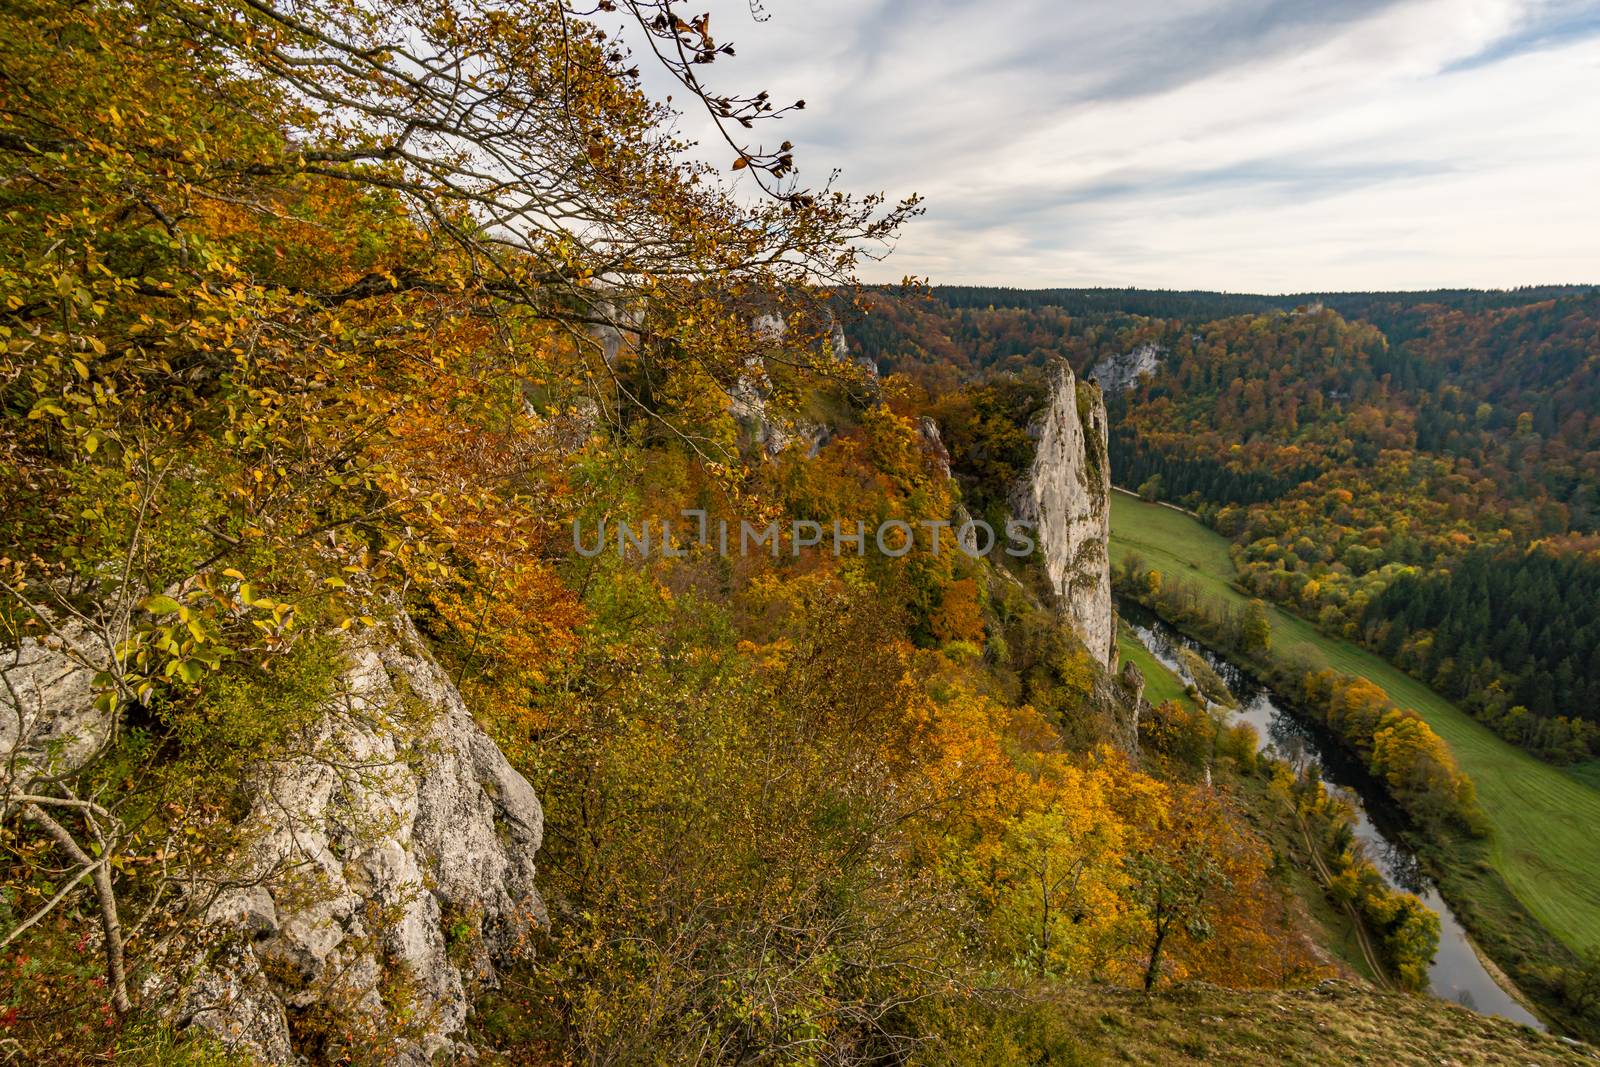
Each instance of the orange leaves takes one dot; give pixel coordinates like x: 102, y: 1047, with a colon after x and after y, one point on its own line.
x: 960, y: 614
x: 1398, y: 745
x: 966, y: 764
x: 512, y: 622
x: 486, y: 487
x: 1077, y: 865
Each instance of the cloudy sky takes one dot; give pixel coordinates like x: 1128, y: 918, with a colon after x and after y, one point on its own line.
x: 1261, y: 145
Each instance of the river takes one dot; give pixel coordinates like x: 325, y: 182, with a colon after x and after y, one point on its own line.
x: 1457, y: 973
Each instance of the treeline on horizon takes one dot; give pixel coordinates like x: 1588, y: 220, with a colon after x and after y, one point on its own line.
x: 1202, y: 303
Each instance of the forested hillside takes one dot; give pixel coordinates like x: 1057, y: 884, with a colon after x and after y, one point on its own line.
x: 379, y: 386
x: 1380, y: 459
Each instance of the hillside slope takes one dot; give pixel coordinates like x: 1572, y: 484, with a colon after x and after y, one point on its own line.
x: 1335, y: 1022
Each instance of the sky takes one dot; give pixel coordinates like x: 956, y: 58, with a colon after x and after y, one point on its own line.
x: 1242, y: 145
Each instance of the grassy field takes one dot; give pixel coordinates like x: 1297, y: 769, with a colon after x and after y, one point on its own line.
x: 1335, y: 1022
x: 1545, y: 842
x: 1160, y: 684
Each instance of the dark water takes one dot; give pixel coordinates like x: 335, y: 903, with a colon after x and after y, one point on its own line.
x: 1456, y: 974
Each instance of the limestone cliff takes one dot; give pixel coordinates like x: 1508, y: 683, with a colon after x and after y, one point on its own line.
x: 1121, y: 372
x: 771, y: 433
x: 411, y: 855
x: 1068, y: 495
x: 385, y: 869
x: 933, y: 445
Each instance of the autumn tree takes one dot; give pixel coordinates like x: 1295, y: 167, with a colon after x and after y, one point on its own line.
x: 1255, y: 629
x: 1178, y: 877
x: 1062, y: 886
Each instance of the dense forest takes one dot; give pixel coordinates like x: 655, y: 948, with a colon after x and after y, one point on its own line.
x: 1374, y: 456
x: 1511, y: 636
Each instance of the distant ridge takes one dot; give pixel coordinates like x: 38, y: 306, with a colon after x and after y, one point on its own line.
x: 1193, y: 304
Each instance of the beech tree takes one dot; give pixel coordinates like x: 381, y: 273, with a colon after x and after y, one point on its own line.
x: 1177, y: 877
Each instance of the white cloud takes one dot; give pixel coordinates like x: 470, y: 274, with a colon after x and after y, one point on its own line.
x: 1279, y: 145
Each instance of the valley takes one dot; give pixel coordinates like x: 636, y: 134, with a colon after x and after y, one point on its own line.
x: 491, y: 573
x: 1456, y: 974
x: 1541, y: 842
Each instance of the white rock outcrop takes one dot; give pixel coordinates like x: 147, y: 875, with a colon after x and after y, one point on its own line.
x: 747, y: 398
x: 616, y: 323
x: 1121, y: 372
x: 385, y: 871
x: 933, y: 445
x: 397, y: 868
x: 747, y: 403
x: 841, y: 350
x: 48, y: 721
x: 1067, y: 494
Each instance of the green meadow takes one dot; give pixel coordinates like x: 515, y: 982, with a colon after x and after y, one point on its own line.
x: 1545, y: 838
x: 1160, y: 684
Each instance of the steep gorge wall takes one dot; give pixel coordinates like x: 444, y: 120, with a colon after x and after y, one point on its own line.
x: 1121, y: 372
x: 1068, y: 495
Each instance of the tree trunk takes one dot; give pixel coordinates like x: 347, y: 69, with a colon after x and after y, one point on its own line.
x: 1044, y: 924
x: 110, y: 924
x: 1153, y: 971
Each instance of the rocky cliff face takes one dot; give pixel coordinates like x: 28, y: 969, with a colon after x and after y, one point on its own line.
x: 398, y: 876
x: 1068, y: 496
x: 1121, y: 372
x: 387, y: 868
x: 933, y: 445
x: 747, y: 398
x: 48, y: 721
